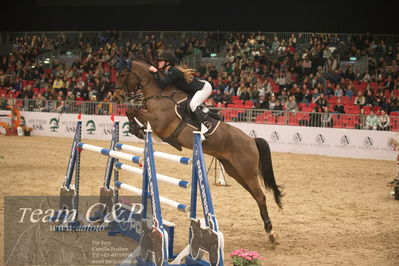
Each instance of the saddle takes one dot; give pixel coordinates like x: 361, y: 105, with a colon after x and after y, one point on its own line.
x: 210, y: 120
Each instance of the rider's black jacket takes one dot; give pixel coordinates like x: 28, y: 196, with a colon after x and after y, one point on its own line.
x: 175, y: 77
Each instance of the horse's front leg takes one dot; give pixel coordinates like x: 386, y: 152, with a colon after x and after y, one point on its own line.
x: 134, y: 127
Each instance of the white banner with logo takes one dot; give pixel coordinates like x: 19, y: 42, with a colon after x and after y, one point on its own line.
x: 351, y: 143
x: 64, y: 125
x: 367, y: 144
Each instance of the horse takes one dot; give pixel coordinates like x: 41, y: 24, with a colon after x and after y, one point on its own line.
x: 244, y: 158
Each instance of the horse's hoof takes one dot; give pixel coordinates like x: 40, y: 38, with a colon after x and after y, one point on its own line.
x: 273, y: 238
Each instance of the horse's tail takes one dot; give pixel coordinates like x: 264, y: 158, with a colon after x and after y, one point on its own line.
x: 266, y: 169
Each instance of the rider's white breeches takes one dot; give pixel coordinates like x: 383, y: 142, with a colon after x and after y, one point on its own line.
x: 201, y: 95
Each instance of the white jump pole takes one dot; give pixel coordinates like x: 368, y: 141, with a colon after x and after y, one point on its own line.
x: 157, y: 154
x: 111, y: 153
x: 164, y: 178
x: 179, y: 206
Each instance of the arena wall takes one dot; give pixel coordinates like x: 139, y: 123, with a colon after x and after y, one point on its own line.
x: 351, y: 143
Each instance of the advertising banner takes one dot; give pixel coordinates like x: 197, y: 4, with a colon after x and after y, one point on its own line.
x: 64, y: 125
x: 367, y: 144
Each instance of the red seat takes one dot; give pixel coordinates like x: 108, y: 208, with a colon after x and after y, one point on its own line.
x: 394, y: 114
x: 394, y: 123
x: 249, y: 104
x: 260, y: 119
x: 345, y: 100
x: 350, y: 121
x: 281, y: 120
x: 338, y: 121
x: 366, y: 109
x: 301, y: 105
x: 307, y: 109
x: 312, y: 105
x: 235, y: 98
x: 376, y: 109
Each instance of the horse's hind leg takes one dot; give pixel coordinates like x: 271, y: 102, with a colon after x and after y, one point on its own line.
x: 250, y: 182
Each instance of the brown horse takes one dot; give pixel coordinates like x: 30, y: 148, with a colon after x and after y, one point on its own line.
x: 244, y: 158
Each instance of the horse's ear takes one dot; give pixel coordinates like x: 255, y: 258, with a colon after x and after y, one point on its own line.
x: 129, y: 64
x: 120, y: 63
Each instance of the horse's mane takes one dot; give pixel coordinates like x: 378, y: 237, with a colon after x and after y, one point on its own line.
x: 145, y: 60
x: 142, y: 59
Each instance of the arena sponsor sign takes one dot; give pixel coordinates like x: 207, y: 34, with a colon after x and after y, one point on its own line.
x: 64, y: 125
x: 368, y: 144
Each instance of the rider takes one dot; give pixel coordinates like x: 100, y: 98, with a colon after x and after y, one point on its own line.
x: 183, y: 79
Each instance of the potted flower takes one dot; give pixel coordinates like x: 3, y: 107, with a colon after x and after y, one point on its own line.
x: 27, y: 130
x: 244, y: 257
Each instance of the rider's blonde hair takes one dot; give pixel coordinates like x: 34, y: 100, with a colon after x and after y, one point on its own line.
x: 187, y: 72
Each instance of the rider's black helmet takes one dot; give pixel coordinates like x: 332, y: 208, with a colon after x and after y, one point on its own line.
x: 168, y: 57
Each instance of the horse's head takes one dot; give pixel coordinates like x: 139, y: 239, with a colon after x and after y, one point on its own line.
x: 131, y: 77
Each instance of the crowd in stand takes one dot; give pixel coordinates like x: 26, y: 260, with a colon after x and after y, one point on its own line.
x: 258, y: 72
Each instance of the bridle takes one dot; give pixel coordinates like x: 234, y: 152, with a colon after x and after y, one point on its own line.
x: 135, y: 93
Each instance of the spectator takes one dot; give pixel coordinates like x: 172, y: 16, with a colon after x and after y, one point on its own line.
x: 326, y: 118
x: 275, y: 45
x: 3, y: 102
x: 245, y: 95
x: 281, y: 80
x: 272, y: 102
x: 307, y: 97
x: 213, y: 73
x: 335, y: 78
x: 291, y: 105
x: 267, y: 88
x: 371, y: 121
x: 61, y: 107
x: 58, y: 84
x: 328, y: 90
x: 92, y: 92
x: 307, y: 66
x: 362, y: 120
x: 380, y: 100
x: 227, y: 98
x: 339, y: 108
x: 218, y: 97
x: 349, y: 91
x: 70, y: 96
x: 320, y: 101
x: 278, y: 109
x: 40, y: 102
x: 389, y: 84
x: 283, y: 98
x: 369, y: 98
x: 297, y: 94
x: 263, y: 102
x: 384, y: 122
x: 360, y: 99
x: 338, y: 91
x: 314, y: 118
